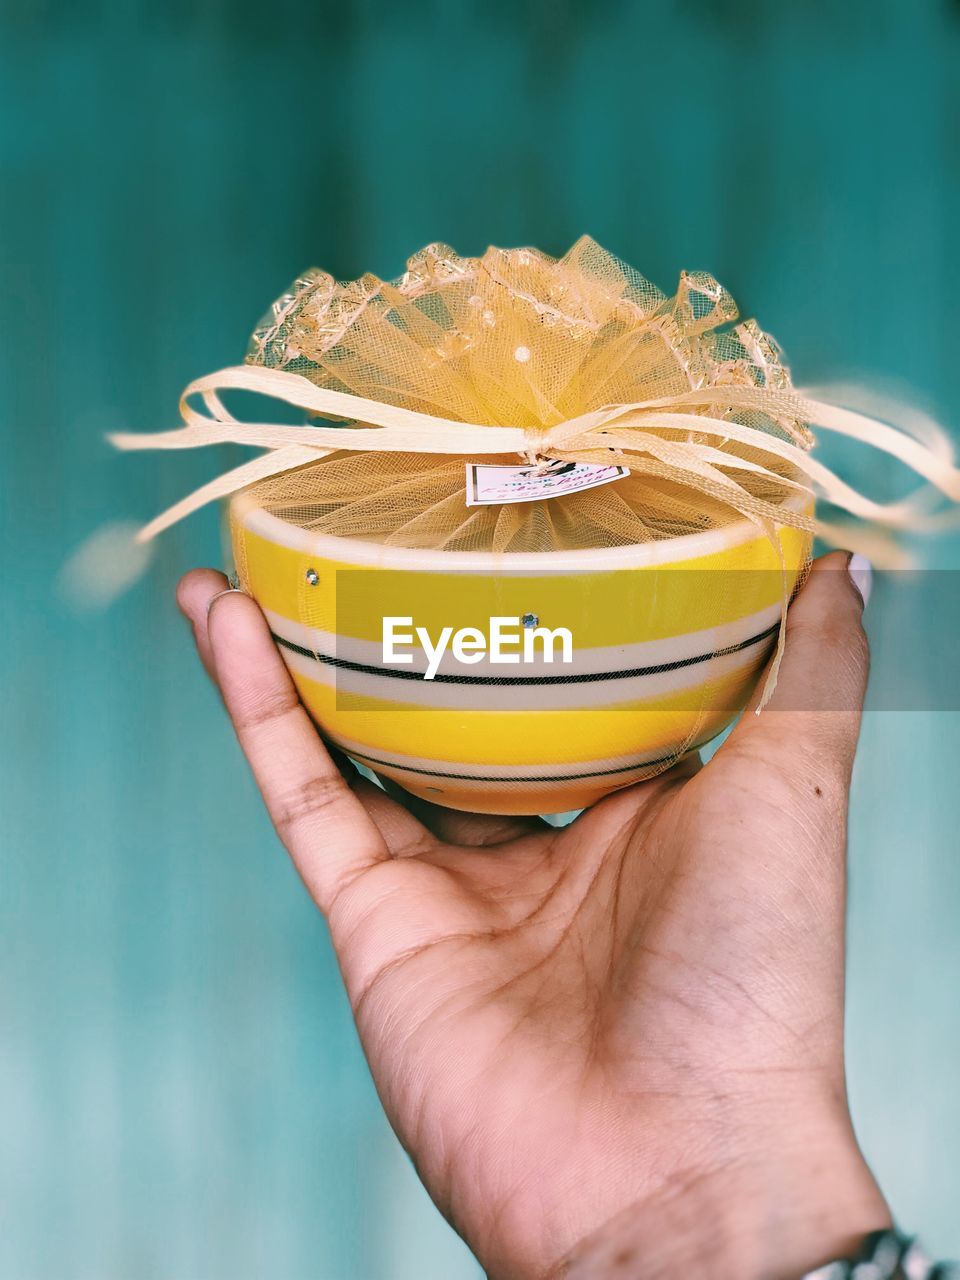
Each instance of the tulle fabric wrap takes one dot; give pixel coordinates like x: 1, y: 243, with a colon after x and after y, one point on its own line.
x: 518, y: 339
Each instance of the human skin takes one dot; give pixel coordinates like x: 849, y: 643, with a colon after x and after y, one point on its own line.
x: 613, y: 1049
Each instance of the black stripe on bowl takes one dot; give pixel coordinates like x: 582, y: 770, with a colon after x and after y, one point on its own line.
x: 580, y: 677
x: 532, y: 778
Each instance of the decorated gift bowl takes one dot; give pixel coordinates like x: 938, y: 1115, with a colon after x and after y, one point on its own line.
x: 667, y: 640
x: 527, y: 638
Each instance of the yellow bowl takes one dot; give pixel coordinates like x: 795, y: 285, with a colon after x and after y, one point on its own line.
x: 668, y: 639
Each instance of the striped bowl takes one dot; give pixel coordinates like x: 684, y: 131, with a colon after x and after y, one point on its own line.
x: 669, y: 638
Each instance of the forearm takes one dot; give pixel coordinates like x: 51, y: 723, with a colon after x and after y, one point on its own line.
x: 774, y: 1220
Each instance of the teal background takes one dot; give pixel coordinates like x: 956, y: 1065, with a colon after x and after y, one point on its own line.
x: 181, y: 1091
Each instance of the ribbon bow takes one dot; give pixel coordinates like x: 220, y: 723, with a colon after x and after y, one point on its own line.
x: 674, y: 437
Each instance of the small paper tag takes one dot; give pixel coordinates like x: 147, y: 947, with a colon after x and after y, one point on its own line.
x: 489, y: 485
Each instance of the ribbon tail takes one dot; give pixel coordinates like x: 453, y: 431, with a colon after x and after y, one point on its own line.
x: 268, y: 464
x: 179, y: 438
x: 880, y: 547
x: 773, y: 671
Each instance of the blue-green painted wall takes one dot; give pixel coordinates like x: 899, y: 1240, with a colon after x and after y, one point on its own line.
x: 181, y: 1092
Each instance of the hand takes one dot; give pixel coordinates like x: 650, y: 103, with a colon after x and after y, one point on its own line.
x: 619, y: 1044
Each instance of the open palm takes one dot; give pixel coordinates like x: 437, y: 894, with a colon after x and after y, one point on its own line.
x: 610, y: 1022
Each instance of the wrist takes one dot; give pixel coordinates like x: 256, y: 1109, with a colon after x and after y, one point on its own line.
x: 774, y: 1219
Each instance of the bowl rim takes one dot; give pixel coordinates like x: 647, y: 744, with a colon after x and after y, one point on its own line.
x: 327, y: 546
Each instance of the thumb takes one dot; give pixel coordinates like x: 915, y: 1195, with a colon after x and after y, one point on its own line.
x: 816, y: 708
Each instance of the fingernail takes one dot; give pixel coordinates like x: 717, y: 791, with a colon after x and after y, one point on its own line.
x: 227, y: 591
x: 861, y: 572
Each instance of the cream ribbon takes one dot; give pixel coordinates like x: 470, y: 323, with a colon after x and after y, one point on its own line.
x: 633, y: 431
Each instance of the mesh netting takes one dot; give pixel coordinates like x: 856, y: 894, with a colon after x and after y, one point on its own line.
x: 517, y: 339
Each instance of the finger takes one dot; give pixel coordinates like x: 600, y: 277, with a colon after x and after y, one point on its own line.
x: 322, y: 823
x: 402, y: 833
x: 814, y: 713
x: 195, y: 590
x: 388, y: 805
